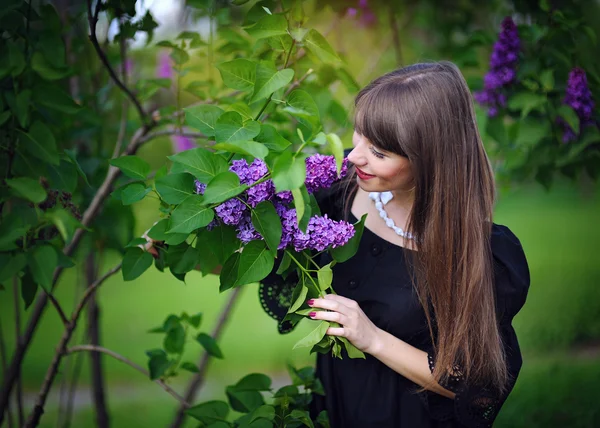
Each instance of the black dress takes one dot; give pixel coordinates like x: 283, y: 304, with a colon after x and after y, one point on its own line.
x: 367, y: 393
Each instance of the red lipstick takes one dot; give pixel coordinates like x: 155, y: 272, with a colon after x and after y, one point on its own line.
x: 363, y: 175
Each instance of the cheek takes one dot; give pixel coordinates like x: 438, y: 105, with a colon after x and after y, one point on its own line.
x: 397, y: 173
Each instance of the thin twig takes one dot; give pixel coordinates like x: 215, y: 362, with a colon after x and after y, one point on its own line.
x: 124, y: 104
x: 198, y: 379
x: 3, y: 358
x: 93, y: 21
x: 19, y: 392
x: 38, y: 410
x: 58, y: 308
x: 130, y: 363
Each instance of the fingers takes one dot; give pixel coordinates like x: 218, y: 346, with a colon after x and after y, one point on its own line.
x: 329, y: 316
x: 336, y: 331
x: 329, y: 304
x: 343, y: 300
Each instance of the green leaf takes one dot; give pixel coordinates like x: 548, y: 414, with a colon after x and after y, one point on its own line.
x: 526, y: 102
x: 192, y: 214
x: 190, y: 367
x: 201, y: 163
x: 303, y: 208
x: 303, y: 107
x: 209, y: 344
x: 495, y: 128
x: 300, y: 293
x: 40, y: 143
x: 289, y: 172
x: 42, y: 261
x: 317, y: 44
x: 4, y: 116
x: 269, y: 26
x: 16, y: 59
x: 348, y: 80
x: 254, y: 382
x: 158, y: 232
x: 229, y: 273
x: 53, y: 97
x: 136, y: 242
x: 244, y: 401
x: 238, y: 74
x: 252, y: 148
x: 29, y: 288
x: 532, y: 131
x: 10, y: 265
x: 186, y: 261
x: 224, y: 186
x: 158, y: 363
x: 175, y: 188
x: 347, y: 251
x: 569, y: 115
x: 302, y: 416
x: 353, y: 351
x: 46, y: 70
x: 135, y: 262
x: 133, y: 193
x: 175, y: 339
x: 256, y: 262
x: 203, y: 117
x: 271, y: 139
x: 63, y: 176
x: 231, y: 127
x: 314, y: 336
x: 22, y: 103
x: 64, y: 222
x: 268, y: 80
x: 209, y: 412
x: 73, y: 158
x: 132, y: 166
x: 266, y: 221
x: 28, y: 188
x: 547, y: 80
x: 336, y: 147
x: 9, y: 234
x: 325, y: 276
x: 263, y: 412
x: 221, y: 241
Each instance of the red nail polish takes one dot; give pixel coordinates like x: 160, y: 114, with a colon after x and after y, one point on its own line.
x: 310, y: 302
x: 312, y: 314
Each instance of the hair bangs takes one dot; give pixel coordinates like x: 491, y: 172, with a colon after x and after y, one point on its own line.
x: 376, y: 117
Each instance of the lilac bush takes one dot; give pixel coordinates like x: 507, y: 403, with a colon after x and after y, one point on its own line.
x: 503, y: 68
x: 579, y: 97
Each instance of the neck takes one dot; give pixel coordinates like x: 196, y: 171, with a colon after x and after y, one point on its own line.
x: 403, y: 200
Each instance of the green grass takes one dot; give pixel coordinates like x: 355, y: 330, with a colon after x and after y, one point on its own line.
x: 558, y: 231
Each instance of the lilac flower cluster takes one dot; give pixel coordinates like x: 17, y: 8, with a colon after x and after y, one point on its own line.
x: 579, y: 98
x: 367, y: 17
x: 322, y: 232
x: 503, y: 68
x: 321, y: 172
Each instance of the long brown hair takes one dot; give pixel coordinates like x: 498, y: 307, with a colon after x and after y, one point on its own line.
x: 425, y: 112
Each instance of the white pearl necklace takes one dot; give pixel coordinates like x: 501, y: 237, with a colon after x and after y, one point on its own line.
x: 381, y: 199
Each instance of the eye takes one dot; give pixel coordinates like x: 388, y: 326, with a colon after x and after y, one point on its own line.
x: 377, y: 154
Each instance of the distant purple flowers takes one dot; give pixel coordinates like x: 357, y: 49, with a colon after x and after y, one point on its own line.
x: 579, y: 98
x: 503, y: 68
x: 182, y: 143
x: 321, y: 233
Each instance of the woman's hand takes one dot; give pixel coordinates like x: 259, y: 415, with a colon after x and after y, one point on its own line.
x: 355, y: 325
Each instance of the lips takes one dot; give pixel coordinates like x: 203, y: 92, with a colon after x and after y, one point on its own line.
x: 363, y: 175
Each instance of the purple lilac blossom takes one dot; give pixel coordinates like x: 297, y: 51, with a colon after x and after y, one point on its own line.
x: 182, y: 143
x: 321, y: 172
x: 246, y: 231
x: 231, y: 211
x: 285, y: 197
x: 579, y: 97
x: 164, y: 69
x: 260, y: 192
x: 503, y: 68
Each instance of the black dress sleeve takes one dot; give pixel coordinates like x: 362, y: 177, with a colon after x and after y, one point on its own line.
x: 475, y: 406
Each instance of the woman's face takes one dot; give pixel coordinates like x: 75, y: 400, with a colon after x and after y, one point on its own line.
x: 377, y: 170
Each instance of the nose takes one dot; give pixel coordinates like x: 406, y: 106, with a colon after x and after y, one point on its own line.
x: 356, y: 156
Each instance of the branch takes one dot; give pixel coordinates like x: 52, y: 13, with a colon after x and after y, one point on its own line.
x: 130, y: 363
x: 19, y: 392
x: 38, y: 410
x: 61, y: 313
x: 198, y: 379
x: 3, y: 362
x: 125, y: 104
x: 93, y: 20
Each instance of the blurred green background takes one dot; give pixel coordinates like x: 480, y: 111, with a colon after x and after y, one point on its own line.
x: 558, y: 329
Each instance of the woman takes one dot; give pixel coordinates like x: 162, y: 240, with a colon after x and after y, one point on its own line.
x: 431, y: 293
